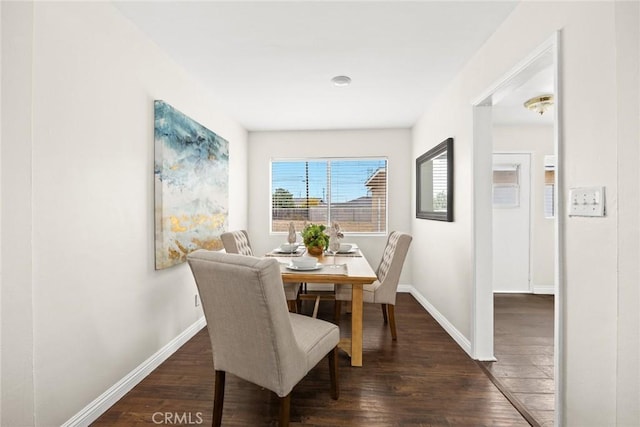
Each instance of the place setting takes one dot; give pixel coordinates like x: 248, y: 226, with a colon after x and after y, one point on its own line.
x: 345, y: 250
x: 311, y: 264
x: 288, y: 250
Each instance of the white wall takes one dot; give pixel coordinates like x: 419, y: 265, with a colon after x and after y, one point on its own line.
x: 628, y: 75
x: 99, y: 307
x: 394, y: 144
x: 591, y: 139
x: 1, y: 84
x: 538, y: 140
x: 16, y: 202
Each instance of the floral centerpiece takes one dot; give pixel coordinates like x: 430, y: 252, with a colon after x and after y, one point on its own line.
x: 315, y: 239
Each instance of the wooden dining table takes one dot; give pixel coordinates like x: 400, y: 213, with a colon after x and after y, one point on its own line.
x: 347, y: 269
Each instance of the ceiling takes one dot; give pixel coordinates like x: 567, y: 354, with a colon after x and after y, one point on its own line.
x: 510, y: 109
x: 269, y: 64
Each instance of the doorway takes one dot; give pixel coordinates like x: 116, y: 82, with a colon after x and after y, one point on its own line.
x: 545, y: 57
x: 511, y: 196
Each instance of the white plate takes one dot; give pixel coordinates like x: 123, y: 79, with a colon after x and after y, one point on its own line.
x: 350, y: 251
x: 294, y: 267
x: 280, y: 251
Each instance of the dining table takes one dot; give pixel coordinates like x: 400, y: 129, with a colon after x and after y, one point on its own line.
x: 351, y: 268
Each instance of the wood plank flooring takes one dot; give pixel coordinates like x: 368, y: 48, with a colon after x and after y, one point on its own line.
x: 423, y: 379
x: 523, y: 343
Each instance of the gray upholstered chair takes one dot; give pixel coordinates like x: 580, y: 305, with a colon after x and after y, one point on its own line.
x: 237, y: 242
x: 253, y: 336
x: 383, y: 290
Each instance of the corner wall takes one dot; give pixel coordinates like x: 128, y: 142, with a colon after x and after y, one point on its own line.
x: 628, y: 75
x: 594, y: 316
x: 99, y: 307
x: 15, y: 210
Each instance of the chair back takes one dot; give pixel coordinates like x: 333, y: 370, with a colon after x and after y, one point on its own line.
x: 236, y: 242
x: 390, y: 266
x: 249, y: 325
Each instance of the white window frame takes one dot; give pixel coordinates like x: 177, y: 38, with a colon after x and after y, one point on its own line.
x: 515, y: 187
x: 328, y: 195
x: 549, y: 188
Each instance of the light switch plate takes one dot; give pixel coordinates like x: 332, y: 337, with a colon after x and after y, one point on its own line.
x: 586, y: 201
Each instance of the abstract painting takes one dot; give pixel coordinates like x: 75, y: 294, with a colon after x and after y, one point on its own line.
x: 191, y: 186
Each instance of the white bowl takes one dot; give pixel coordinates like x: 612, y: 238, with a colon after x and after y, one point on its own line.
x: 289, y: 247
x: 345, y: 247
x: 304, y: 261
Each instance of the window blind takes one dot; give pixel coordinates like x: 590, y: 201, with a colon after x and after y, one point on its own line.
x: 506, y: 186
x: 352, y: 192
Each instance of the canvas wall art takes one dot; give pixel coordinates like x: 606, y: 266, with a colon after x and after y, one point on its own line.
x: 191, y: 186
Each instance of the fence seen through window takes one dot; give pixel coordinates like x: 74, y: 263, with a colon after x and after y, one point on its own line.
x: 352, y: 192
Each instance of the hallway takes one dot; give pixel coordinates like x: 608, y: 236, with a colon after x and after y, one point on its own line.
x: 524, y: 349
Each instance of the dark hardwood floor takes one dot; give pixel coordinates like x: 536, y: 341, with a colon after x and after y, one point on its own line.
x: 423, y: 379
x: 523, y: 343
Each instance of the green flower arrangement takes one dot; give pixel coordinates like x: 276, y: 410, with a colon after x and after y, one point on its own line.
x: 313, y: 236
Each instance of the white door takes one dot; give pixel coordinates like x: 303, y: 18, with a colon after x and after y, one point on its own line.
x: 511, y: 222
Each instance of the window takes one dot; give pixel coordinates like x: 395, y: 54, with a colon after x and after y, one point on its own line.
x: 549, y: 186
x: 506, y: 186
x: 352, y: 192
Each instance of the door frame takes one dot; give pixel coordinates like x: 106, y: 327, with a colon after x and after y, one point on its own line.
x: 529, y: 154
x: 482, y: 327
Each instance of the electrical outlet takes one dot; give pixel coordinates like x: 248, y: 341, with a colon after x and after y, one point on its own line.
x: 586, y: 201
x: 197, y: 300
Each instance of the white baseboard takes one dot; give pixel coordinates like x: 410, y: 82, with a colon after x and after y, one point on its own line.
x: 99, y: 406
x: 405, y: 288
x: 457, y: 336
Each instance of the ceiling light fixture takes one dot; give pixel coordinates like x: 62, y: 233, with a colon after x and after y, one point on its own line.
x: 341, y: 81
x: 539, y: 104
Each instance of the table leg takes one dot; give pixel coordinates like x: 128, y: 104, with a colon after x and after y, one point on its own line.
x: 356, y: 325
